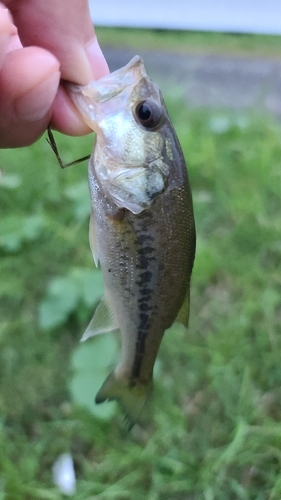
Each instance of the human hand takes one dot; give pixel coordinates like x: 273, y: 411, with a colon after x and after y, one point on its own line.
x: 55, y: 41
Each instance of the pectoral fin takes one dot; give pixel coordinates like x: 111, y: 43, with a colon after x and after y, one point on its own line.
x: 103, y: 320
x: 93, y: 240
x: 183, y: 313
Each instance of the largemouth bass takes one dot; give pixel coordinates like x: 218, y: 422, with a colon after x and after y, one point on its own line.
x: 142, y: 226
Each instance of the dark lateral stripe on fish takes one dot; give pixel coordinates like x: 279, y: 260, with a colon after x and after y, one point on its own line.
x: 140, y: 345
x: 146, y: 248
x: 140, y: 350
x: 145, y: 257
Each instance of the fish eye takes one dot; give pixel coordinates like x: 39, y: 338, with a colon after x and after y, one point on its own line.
x: 148, y: 113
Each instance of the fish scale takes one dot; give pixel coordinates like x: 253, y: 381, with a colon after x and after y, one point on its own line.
x: 142, y: 225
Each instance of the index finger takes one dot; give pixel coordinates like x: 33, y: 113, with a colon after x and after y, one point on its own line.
x: 65, y: 29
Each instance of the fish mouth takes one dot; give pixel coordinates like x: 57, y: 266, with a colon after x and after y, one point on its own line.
x: 88, y: 97
x: 110, y: 85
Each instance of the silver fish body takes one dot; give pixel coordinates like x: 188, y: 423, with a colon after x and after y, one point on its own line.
x: 142, y: 228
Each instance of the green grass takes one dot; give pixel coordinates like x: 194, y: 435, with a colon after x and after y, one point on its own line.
x: 216, y: 432
x: 191, y: 42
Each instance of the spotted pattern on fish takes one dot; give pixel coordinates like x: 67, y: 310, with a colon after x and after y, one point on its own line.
x: 145, y: 232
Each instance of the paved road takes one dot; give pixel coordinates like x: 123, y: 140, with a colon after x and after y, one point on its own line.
x: 219, y: 82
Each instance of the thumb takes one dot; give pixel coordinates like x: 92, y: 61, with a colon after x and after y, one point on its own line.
x: 29, y: 80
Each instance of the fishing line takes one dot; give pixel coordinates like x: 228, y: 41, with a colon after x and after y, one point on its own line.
x: 51, y: 141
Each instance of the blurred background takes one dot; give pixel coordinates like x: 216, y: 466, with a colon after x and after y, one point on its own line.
x: 222, y: 73
x: 215, y: 432
x: 235, y: 16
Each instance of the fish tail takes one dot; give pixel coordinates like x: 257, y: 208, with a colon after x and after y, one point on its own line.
x: 131, y: 398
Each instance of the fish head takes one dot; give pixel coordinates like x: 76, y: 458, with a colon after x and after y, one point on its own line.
x: 128, y: 114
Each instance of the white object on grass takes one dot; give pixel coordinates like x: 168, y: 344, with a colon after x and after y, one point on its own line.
x: 64, y: 474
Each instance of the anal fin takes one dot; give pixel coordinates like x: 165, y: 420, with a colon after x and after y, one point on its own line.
x: 103, y: 320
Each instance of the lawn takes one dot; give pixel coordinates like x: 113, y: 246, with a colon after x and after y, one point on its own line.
x: 216, y: 431
x: 190, y: 42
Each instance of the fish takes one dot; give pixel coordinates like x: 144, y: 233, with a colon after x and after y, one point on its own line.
x: 142, y: 229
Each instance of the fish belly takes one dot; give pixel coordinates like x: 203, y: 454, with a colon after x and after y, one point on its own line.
x: 146, y: 265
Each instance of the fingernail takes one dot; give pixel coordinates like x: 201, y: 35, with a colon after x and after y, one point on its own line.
x: 36, y: 103
x: 6, y: 18
x: 96, y: 59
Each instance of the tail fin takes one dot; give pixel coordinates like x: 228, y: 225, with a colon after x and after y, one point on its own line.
x: 132, y: 399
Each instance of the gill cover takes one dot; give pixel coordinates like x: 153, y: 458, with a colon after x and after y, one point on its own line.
x: 126, y: 111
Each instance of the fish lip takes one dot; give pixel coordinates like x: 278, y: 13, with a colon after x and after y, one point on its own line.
x: 117, y: 81
x: 86, y: 98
